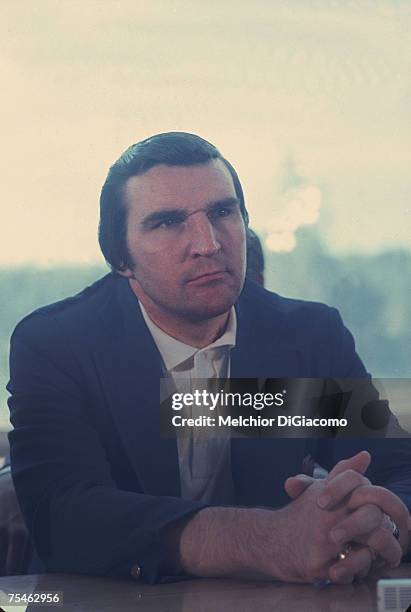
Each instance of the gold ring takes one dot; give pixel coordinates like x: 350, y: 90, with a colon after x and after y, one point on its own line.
x: 344, y: 553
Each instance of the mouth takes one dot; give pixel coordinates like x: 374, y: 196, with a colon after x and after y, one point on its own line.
x: 208, y: 277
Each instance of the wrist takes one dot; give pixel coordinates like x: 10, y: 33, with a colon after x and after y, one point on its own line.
x: 209, y: 545
x: 261, y: 546
x: 240, y: 542
x: 264, y: 544
x: 230, y: 542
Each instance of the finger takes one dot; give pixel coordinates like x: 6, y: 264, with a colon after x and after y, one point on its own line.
x: 360, y: 523
x: 357, y: 563
x: 296, y: 485
x: 339, y: 487
x: 367, y: 569
x: 359, y: 462
x: 384, y: 545
x: 389, y: 503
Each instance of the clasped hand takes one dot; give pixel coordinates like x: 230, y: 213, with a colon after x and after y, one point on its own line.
x: 346, y: 509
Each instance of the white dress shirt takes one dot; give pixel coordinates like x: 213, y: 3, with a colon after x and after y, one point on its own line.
x: 204, y: 462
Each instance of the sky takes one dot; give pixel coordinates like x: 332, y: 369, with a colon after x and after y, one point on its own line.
x: 309, y: 100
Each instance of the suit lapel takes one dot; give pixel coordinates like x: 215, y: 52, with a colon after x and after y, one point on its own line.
x: 261, y: 350
x: 130, y: 370
x: 261, y: 465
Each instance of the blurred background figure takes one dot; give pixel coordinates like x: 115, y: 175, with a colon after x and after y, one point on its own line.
x: 255, y: 258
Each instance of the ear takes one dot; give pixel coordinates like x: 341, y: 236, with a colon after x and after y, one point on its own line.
x: 126, y: 273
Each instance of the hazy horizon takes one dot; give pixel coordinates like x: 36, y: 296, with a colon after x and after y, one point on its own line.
x: 308, y: 100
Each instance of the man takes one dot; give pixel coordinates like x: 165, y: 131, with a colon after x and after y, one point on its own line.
x: 15, y: 546
x: 102, y: 493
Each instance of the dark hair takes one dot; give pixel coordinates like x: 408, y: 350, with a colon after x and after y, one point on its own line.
x: 171, y: 149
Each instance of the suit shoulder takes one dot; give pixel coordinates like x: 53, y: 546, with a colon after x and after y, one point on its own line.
x: 294, y: 322
x: 312, y: 330
x: 73, y: 312
x: 269, y: 303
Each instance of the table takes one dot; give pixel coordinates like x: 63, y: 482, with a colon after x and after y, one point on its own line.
x: 90, y: 594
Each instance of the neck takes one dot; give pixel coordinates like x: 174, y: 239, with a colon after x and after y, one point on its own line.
x: 198, y: 333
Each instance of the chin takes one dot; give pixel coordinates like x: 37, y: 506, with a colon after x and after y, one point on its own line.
x: 210, y: 312
x: 212, y: 307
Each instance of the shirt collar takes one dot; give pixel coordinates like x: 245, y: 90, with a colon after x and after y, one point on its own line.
x: 174, y: 352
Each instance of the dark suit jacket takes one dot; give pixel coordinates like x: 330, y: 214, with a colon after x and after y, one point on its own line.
x: 96, y: 483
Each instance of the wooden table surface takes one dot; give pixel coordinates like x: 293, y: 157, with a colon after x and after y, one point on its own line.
x: 88, y: 594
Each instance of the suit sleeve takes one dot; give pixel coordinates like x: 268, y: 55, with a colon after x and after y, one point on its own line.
x: 79, y: 520
x: 391, y: 456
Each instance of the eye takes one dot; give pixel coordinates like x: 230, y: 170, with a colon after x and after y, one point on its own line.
x: 221, y: 212
x: 168, y: 222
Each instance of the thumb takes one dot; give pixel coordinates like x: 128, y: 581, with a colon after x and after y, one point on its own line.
x: 295, y: 485
x: 359, y: 462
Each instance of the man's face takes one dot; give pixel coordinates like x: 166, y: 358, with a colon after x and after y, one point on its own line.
x: 186, y: 240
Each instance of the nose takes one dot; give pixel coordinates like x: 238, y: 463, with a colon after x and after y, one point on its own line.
x: 202, y: 235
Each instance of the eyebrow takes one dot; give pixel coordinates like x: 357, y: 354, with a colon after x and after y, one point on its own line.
x: 181, y: 213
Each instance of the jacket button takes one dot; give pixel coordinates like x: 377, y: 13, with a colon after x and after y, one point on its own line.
x: 135, y: 572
